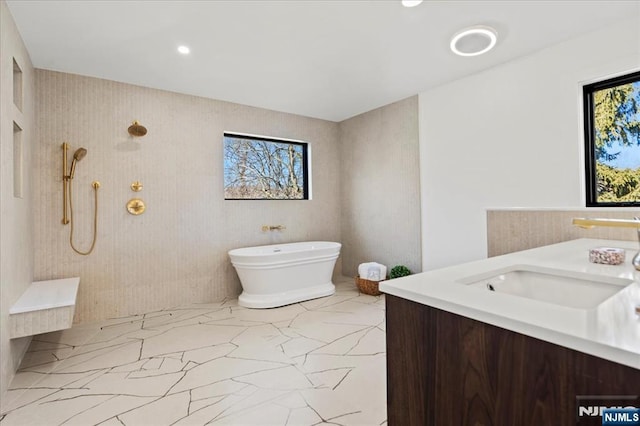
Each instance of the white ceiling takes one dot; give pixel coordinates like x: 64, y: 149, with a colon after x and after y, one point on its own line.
x: 330, y: 59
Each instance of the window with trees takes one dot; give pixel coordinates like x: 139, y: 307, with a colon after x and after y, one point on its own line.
x: 260, y: 168
x: 612, y: 141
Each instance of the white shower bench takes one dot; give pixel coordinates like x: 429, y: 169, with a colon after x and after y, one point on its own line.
x: 45, y: 306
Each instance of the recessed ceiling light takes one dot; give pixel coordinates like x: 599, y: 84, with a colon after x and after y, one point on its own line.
x: 184, y: 50
x: 474, y: 41
x: 411, y: 3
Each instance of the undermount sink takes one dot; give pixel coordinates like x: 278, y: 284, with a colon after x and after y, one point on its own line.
x: 564, y: 288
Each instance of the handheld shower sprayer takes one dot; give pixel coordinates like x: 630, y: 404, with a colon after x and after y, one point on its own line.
x: 67, y: 195
x: 77, y: 156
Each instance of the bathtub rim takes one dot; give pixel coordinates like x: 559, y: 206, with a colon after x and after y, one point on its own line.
x: 258, y: 250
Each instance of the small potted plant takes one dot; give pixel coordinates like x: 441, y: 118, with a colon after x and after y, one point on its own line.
x: 399, y: 271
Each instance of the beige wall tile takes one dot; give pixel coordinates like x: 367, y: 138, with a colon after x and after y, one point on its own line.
x: 17, y: 250
x: 515, y: 230
x: 176, y: 252
x: 380, y: 187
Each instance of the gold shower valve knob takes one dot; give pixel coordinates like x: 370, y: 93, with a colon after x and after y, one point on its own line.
x: 136, y: 186
x: 136, y: 206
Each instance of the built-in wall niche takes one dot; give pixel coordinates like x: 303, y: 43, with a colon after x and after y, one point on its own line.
x: 17, y: 85
x: 17, y: 161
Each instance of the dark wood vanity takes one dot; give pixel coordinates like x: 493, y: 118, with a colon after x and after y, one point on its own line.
x: 445, y: 369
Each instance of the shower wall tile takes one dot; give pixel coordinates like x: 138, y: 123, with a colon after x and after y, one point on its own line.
x: 176, y: 252
x: 16, y: 218
x: 380, y: 193
x: 40, y: 321
x: 510, y: 230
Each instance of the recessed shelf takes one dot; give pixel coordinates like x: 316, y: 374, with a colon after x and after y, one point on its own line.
x: 17, y: 85
x: 18, y: 161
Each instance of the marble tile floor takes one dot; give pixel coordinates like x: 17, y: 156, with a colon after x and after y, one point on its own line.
x: 319, y: 362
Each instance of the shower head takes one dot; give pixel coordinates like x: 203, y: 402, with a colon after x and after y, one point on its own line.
x: 137, y: 129
x: 77, y: 156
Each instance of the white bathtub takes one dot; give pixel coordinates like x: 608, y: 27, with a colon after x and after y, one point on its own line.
x: 281, y: 274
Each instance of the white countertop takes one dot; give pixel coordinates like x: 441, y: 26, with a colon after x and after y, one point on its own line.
x: 611, y: 330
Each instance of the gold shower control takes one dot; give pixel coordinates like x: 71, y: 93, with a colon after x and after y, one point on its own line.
x: 136, y: 206
x: 136, y: 186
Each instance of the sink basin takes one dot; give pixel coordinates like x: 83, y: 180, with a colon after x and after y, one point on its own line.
x: 564, y: 288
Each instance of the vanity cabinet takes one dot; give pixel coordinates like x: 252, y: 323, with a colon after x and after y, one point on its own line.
x: 445, y: 369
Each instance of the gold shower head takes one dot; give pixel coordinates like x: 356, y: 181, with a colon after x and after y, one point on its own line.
x: 137, y: 129
x: 77, y: 156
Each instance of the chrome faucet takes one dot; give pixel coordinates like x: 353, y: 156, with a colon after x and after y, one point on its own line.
x: 635, y: 223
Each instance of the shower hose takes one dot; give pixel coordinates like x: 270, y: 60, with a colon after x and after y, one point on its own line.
x: 95, y: 219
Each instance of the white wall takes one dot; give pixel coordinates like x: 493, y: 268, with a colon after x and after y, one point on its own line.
x: 510, y: 136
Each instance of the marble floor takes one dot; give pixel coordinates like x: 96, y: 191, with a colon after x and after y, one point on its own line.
x: 320, y: 362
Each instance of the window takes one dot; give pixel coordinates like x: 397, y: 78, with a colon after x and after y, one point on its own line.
x: 612, y: 141
x: 260, y: 168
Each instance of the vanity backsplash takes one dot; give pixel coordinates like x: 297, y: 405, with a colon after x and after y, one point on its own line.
x: 510, y: 230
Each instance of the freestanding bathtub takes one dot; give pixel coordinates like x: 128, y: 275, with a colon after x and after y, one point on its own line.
x: 281, y: 274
